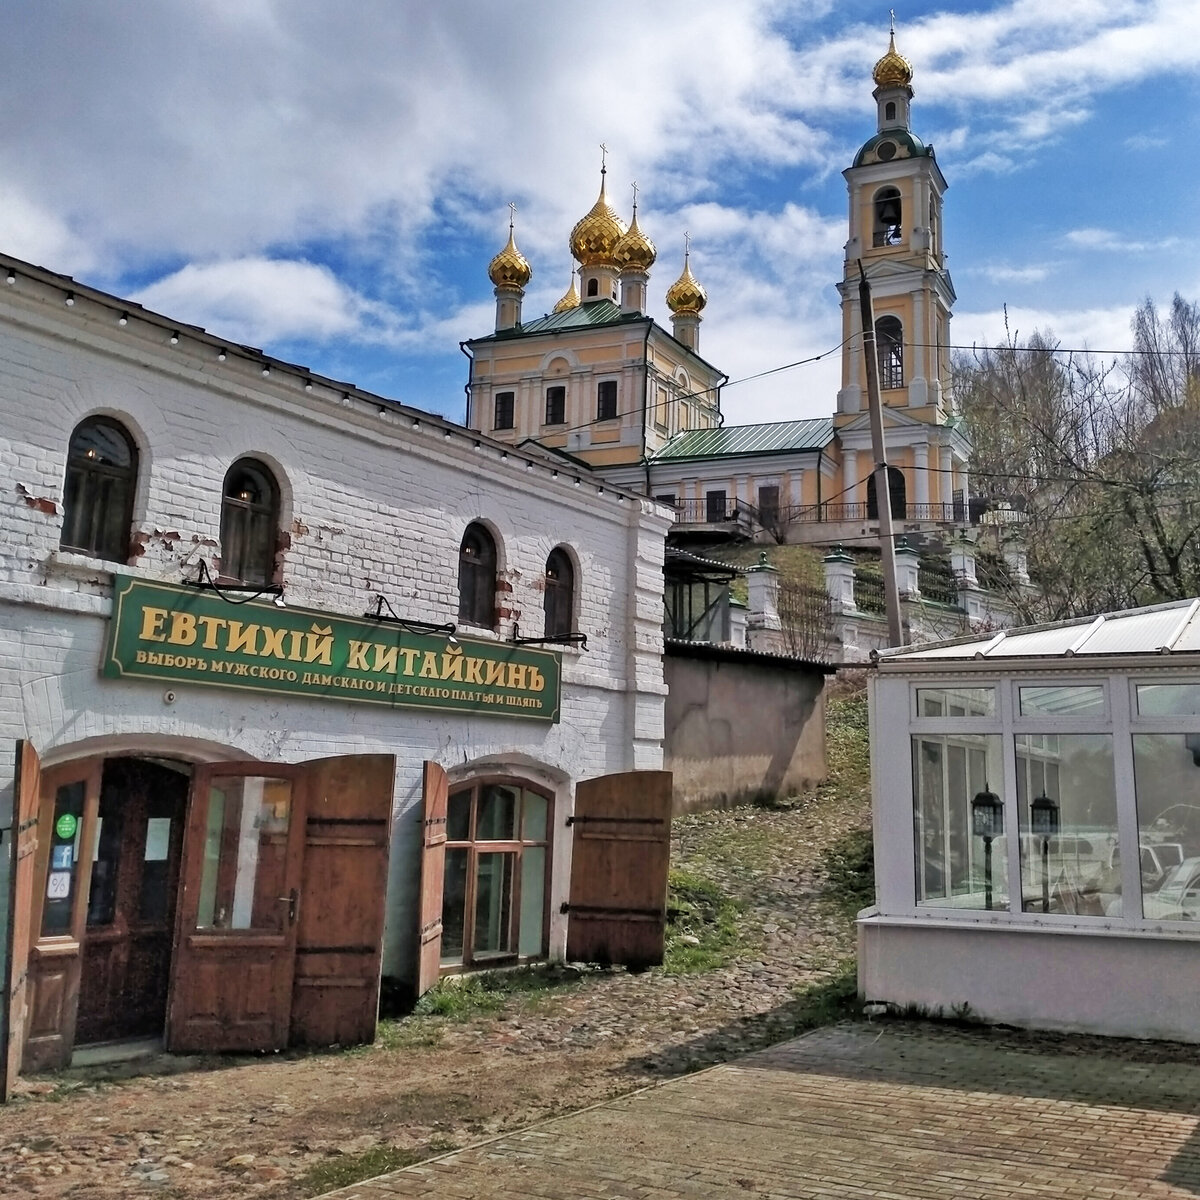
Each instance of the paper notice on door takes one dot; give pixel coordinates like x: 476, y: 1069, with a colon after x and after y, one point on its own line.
x: 158, y: 838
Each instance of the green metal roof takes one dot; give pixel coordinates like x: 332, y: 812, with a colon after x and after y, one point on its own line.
x: 768, y: 438
x: 584, y: 316
x: 907, y: 145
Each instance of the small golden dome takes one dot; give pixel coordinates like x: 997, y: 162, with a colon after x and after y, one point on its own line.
x: 570, y: 300
x: 893, y: 70
x: 510, y: 268
x: 635, y: 251
x: 686, y: 297
x: 595, y: 236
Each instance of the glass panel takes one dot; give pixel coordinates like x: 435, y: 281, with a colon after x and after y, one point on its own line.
x: 64, y: 855
x: 458, y: 817
x: 454, y: 905
x: 245, y: 854
x: 1168, y: 699
x: 533, y: 901
x: 959, y: 702
x: 535, y: 817
x: 1067, y: 801
x: 497, y: 820
x: 493, y: 905
x: 102, y: 895
x: 1068, y: 701
x: 955, y: 868
x: 153, y: 901
x: 1166, y: 772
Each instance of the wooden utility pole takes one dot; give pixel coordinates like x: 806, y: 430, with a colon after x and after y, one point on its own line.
x: 883, y: 491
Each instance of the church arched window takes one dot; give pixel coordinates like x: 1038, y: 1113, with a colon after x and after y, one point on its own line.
x: 889, y: 343
x: 888, y: 214
x: 889, y: 111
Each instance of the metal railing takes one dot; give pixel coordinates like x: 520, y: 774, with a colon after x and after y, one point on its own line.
x: 714, y: 512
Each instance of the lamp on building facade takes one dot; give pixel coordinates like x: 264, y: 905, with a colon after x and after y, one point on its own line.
x: 1043, y: 820
x: 987, y: 822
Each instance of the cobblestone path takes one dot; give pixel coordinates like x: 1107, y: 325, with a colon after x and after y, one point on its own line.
x: 855, y: 1111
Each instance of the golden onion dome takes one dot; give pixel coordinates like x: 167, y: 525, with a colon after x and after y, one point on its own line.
x: 686, y: 297
x: 596, y: 235
x: 510, y: 268
x: 893, y: 69
x: 635, y: 251
x: 570, y: 300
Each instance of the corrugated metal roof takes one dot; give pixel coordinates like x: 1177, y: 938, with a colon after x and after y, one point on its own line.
x: 1159, y: 629
x: 584, y: 316
x: 767, y: 438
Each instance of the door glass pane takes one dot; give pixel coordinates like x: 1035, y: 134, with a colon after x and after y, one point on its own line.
x: 1067, y: 801
x: 1166, y: 773
x: 955, y: 868
x: 153, y: 900
x: 533, y: 902
x: 454, y: 905
x: 102, y: 897
x: 535, y: 817
x: 458, y: 817
x: 497, y: 820
x: 493, y: 905
x: 64, y: 854
x: 245, y: 851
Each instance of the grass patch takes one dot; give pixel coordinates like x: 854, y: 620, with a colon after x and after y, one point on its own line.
x: 702, y: 932
x: 410, y: 1033
x: 850, y: 872
x: 828, y: 1001
x: 344, y: 1169
x: 847, y: 744
x: 466, y: 996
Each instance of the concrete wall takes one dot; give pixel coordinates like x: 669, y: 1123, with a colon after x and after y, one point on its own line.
x: 375, y: 500
x: 1073, y: 978
x: 736, y: 730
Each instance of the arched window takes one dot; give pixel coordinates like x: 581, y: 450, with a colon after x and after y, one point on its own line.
x: 896, y: 490
x: 593, y: 287
x: 477, y: 578
x: 889, y: 342
x: 888, y: 218
x: 102, y: 464
x: 560, y: 593
x: 249, y: 522
x: 889, y: 111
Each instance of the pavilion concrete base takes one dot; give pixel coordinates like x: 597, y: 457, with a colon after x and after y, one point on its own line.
x: 1072, y: 977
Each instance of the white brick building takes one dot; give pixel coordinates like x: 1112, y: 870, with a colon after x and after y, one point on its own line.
x: 374, y: 499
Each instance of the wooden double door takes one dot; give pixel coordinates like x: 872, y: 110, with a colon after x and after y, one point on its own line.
x: 238, y: 906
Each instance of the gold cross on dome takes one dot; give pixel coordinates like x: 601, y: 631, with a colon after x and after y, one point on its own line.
x: 512, y: 215
x: 603, y: 157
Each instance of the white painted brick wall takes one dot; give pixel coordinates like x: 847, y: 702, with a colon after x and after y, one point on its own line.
x: 372, y: 505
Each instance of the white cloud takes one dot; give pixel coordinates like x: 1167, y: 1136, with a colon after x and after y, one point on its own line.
x: 1107, y: 240
x: 1101, y: 330
x: 1002, y: 273
x: 263, y: 300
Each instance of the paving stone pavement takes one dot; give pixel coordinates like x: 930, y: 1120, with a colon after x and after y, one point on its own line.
x: 891, y: 1111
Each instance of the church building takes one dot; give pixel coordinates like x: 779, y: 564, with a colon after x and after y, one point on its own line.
x: 599, y: 383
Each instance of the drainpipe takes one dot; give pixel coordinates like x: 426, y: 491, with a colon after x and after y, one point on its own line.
x: 464, y: 347
x: 645, y: 395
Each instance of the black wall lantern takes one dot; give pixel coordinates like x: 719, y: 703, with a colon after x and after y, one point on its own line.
x: 1043, y: 820
x: 987, y: 822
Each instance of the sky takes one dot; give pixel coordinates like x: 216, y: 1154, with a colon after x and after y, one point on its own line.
x: 328, y: 180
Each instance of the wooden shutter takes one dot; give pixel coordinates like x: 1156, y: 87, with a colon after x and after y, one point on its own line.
x: 621, y: 847
x: 339, y: 942
x: 26, y: 795
x: 433, y: 866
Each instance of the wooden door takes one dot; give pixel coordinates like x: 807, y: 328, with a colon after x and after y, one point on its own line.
x: 235, y: 934
x: 24, y: 839
x: 134, y: 881
x: 339, y: 943
x: 62, y: 863
x: 620, y: 853
x: 433, y: 867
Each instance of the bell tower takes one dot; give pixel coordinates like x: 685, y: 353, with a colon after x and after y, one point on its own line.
x: 895, y: 190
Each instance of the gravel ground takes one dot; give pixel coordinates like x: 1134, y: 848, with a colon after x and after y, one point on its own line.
x: 285, y: 1125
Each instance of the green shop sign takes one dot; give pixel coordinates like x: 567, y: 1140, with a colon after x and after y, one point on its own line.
x: 181, y: 635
